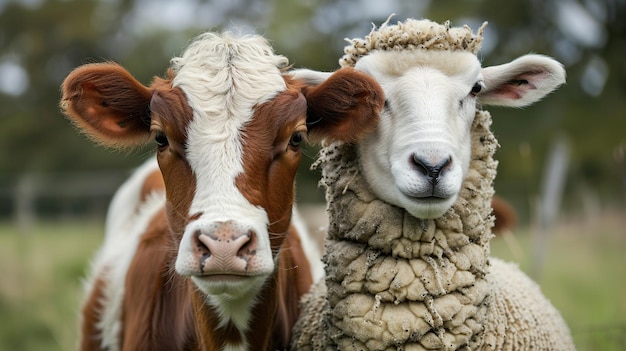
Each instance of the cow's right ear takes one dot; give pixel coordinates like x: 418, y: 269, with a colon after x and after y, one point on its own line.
x: 108, y: 104
x: 343, y: 106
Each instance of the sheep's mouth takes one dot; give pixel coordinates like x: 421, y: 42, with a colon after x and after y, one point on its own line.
x: 428, y: 195
x: 427, y: 206
x: 427, y: 198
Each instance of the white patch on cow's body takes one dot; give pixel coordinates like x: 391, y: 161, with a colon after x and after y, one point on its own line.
x: 126, y: 221
x: 428, y: 118
x: 235, y: 347
x: 223, y: 79
x: 233, y: 301
x: 311, y: 249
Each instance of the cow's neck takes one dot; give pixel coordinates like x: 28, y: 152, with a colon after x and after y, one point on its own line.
x: 272, y: 312
x: 213, y: 327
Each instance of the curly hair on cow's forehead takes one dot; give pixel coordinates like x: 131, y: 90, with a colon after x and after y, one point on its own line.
x: 413, y: 34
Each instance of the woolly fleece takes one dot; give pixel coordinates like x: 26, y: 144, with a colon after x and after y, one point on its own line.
x: 396, y: 282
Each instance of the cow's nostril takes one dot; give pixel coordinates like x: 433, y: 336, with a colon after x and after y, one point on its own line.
x: 248, y: 248
x: 202, y: 251
x: 201, y: 248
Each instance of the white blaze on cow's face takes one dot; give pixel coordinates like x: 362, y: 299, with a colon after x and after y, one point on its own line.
x: 419, y: 155
x: 225, y: 243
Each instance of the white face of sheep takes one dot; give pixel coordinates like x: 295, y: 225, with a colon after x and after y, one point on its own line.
x: 420, y: 153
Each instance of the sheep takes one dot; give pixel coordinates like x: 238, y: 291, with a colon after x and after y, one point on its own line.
x: 407, y: 249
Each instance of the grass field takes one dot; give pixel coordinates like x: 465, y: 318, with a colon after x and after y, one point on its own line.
x: 584, y: 275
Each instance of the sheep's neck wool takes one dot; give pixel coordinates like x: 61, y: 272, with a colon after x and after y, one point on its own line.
x: 393, y: 279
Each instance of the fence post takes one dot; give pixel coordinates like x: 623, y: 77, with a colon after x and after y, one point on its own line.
x: 553, y: 183
x: 24, y: 202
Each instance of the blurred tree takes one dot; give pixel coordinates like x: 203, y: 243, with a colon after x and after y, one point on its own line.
x: 46, y: 40
x: 41, y: 41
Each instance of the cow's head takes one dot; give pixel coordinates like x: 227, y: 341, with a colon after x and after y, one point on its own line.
x: 228, y: 124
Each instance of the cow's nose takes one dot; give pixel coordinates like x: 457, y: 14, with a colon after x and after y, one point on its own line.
x: 224, y: 248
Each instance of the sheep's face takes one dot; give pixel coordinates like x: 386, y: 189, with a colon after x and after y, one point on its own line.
x: 420, y: 153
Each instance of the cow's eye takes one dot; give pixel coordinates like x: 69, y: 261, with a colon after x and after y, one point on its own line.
x: 161, y: 139
x: 296, y: 139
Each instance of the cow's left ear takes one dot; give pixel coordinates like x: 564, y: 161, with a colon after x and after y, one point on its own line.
x: 522, y: 81
x: 342, y: 106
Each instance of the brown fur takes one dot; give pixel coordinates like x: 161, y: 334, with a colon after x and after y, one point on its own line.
x: 157, y: 313
x: 153, y: 182
x: 92, y: 307
x: 268, y: 181
x: 352, y: 94
x: 505, y: 216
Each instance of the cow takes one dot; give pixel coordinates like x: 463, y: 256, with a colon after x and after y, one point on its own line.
x: 201, y: 250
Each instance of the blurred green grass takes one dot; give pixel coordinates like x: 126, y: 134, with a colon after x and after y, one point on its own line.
x: 584, y: 276
x: 42, y: 283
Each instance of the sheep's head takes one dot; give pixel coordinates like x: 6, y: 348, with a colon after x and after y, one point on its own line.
x: 433, y: 82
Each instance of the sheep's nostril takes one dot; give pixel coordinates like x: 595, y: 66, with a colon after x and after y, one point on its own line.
x: 447, y: 163
x: 430, y: 169
x: 420, y: 165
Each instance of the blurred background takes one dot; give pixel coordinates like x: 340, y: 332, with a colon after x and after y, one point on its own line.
x: 562, y: 161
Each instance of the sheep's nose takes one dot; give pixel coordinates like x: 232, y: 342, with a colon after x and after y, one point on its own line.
x: 431, y: 167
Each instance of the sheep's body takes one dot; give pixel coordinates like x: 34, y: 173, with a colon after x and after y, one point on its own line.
x: 394, y: 281
x: 519, y: 318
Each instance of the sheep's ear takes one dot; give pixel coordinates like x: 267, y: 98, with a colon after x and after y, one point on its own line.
x: 108, y: 104
x: 344, y: 106
x: 522, y: 81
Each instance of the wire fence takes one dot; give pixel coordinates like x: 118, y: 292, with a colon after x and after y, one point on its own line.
x: 29, y: 197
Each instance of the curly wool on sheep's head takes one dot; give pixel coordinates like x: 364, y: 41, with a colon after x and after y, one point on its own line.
x: 413, y: 34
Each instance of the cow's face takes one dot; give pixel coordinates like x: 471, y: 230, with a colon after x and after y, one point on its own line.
x: 227, y: 124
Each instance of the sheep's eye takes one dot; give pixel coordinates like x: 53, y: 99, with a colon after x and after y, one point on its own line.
x: 477, y: 88
x: 161, y: 139
x: 296, y: 139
